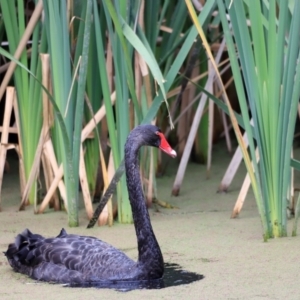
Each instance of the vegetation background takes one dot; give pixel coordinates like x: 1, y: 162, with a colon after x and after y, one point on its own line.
x: 90, y: 71
x: 77, y: 76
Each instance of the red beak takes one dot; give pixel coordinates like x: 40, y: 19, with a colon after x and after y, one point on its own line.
x: 164, y: 145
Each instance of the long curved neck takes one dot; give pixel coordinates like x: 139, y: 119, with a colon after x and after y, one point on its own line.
x: 149, y: 251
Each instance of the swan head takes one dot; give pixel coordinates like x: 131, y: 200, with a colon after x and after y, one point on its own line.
x: 152, y: 136
x: 164, y: 145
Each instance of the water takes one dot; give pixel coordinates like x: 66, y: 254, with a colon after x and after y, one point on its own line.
x: 174, y: 275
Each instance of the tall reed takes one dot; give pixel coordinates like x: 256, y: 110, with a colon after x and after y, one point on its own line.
x: 268, y: 84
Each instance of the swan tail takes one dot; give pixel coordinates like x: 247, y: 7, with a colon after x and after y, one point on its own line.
x: 24, y: 256
x: 19, y: 254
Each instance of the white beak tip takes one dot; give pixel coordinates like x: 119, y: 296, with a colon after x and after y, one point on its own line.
x: 173, y: 153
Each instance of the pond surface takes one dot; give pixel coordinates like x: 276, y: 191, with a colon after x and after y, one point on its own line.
x: 173, y: 276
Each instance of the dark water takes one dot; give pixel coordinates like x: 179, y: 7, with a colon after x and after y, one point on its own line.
x: 174, y: 275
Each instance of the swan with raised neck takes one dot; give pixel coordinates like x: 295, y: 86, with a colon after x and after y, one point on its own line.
x: 70, y: 258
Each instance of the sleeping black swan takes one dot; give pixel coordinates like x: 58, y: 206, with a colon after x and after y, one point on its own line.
x: 70, y: 258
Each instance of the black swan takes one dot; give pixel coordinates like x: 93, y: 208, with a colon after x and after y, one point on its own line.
x: 70, y: 258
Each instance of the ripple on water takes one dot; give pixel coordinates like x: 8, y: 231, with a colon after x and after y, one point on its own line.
x: 173, y: 276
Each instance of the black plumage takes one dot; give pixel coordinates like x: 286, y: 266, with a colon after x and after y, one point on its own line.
x: 70, y: 258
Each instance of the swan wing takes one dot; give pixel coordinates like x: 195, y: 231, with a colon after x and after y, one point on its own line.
x: 67, y: 258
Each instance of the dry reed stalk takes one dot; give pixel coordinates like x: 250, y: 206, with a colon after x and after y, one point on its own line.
x: 291, y: 196
x: 241, y: 197
x: 106, y: 214
x: 21, y: 170
x: 150, y: 181
x: 137, y: 74
x: 243, y: 192
x: 108, y: 177
x: 232, y: 167
x: 193, y: 80
x: 58, y: 172
x: 226, y: 131
x: 85, y: 186
x: 22, y: 45
x: 144, y: 71
x: 138, y: 90
x: 146, y: 79
x: 188, y: 147
x: 210, y: 125
x: 44, y: 137
x: 224, y: 119
x: 110, y: 79
x: 10, y: 91
x: 49, y: 177
x: 5, y: 129
x: 47, y: 123
x: 10, y: 130
x: 91, y: 125
x: 193, y: 130
x: 192, y: 90
x: 57, y: 178
x: 33, y: 173
x: 184, y: 124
